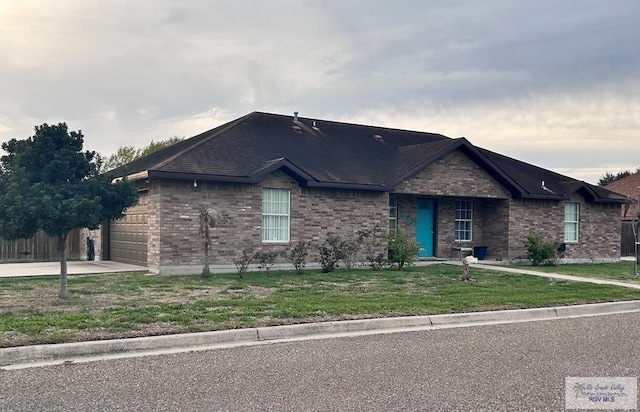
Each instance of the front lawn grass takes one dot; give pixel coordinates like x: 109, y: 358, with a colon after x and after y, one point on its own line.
x: 622, y: 271
x: 136, y: 304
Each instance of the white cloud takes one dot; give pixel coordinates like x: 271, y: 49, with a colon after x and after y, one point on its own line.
x: 549, y: 82
x: 582, y: 134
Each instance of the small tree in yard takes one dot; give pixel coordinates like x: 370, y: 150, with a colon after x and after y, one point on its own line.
x: 48, y: 183
x: 208, y: 219
x: 402, y: 250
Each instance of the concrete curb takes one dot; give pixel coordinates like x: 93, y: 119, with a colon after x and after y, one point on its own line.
x: 193, y: 341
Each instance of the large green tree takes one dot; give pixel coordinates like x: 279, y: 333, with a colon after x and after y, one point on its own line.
x: 127, y: 154
x: 608, y: 178
x: 48, y: 183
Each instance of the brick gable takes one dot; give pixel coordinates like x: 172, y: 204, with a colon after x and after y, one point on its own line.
x: 453, y: 175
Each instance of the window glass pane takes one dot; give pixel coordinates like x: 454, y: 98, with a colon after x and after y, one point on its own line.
x: 571, y: 221
x: 275, y: 215
x: 571, y: 212
x: 463, y: 220
x: 393, y: 214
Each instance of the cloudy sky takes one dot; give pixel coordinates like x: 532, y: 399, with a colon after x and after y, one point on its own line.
x: 551, y: 82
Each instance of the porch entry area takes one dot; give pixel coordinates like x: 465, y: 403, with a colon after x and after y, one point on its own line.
x: 425, y: 231
x: 441, y: 224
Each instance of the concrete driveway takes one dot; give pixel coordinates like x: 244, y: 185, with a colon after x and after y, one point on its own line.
x: 73, y: 268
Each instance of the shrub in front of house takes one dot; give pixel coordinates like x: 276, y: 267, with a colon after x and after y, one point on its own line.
x: 298, y: 255
x: 242, y: 263
x: 330, y: 253
x: 372, y: 240
x: 267, y: 258
x: 335, y: 249
x: 539, y: 251
x: 402, y: 249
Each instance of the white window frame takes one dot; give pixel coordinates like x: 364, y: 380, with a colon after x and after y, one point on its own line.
x: 466, y: 207
x: 571, y: 222
x: 393, y: 214
x: 276, y: 215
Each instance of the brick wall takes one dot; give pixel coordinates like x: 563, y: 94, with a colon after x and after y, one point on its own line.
x: 493, y: 219
x: 599, y: 228
x: 454, y: 175
x: 500, y: 223
x: 543, y: 216
x: 175, y: 245
x: 154, y: 219
x: 96, y: 236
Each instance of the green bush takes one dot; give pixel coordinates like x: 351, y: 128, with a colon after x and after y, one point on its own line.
x: 539, y: 252
x: 242, y: 263
x: 298, y: 255
x: 402, y: 250
x: 267, y: 258
x: 330, y: 253
x: 375, y: 253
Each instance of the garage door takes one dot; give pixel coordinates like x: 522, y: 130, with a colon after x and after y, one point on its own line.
x: 128, y: 236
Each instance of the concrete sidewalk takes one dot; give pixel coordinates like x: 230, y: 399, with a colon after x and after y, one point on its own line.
x: 522, y: 271
x: 73, y: 268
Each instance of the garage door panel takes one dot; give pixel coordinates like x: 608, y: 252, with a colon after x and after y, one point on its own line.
x: 128, y: 236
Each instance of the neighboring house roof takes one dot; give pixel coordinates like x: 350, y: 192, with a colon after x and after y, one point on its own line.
x: 628, y: 186
x: 319, y: 153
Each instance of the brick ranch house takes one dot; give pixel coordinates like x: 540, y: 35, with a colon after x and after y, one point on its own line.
x: 276, y: 179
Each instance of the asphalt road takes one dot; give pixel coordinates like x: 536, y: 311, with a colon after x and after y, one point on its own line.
x: 486, y: 368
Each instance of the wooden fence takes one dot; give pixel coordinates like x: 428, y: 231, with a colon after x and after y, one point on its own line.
x: 40, y: 247
x: 627, y: 248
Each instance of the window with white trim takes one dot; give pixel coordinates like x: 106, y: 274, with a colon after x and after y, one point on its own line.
x: 275, y: 215
x: 463, y: 220
x: 393, y: 214
x: 571, y: 221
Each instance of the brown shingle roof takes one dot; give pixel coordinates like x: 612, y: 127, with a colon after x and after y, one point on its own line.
x: 629, y: 187
x: 319, y: 153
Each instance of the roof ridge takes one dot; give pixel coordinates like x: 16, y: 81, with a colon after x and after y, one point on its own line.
x: 393, y: 129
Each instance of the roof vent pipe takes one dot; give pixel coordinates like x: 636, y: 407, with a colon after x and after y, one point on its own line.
x: 295, y: 117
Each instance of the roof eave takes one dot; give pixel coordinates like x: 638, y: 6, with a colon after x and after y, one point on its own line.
x: 158, y: 174
x: 541, y: 196
x: 594, y: 196
x: 349, y: 186
x: 133, y: 176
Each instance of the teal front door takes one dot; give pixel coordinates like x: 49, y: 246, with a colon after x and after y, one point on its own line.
x: 424, y: 227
